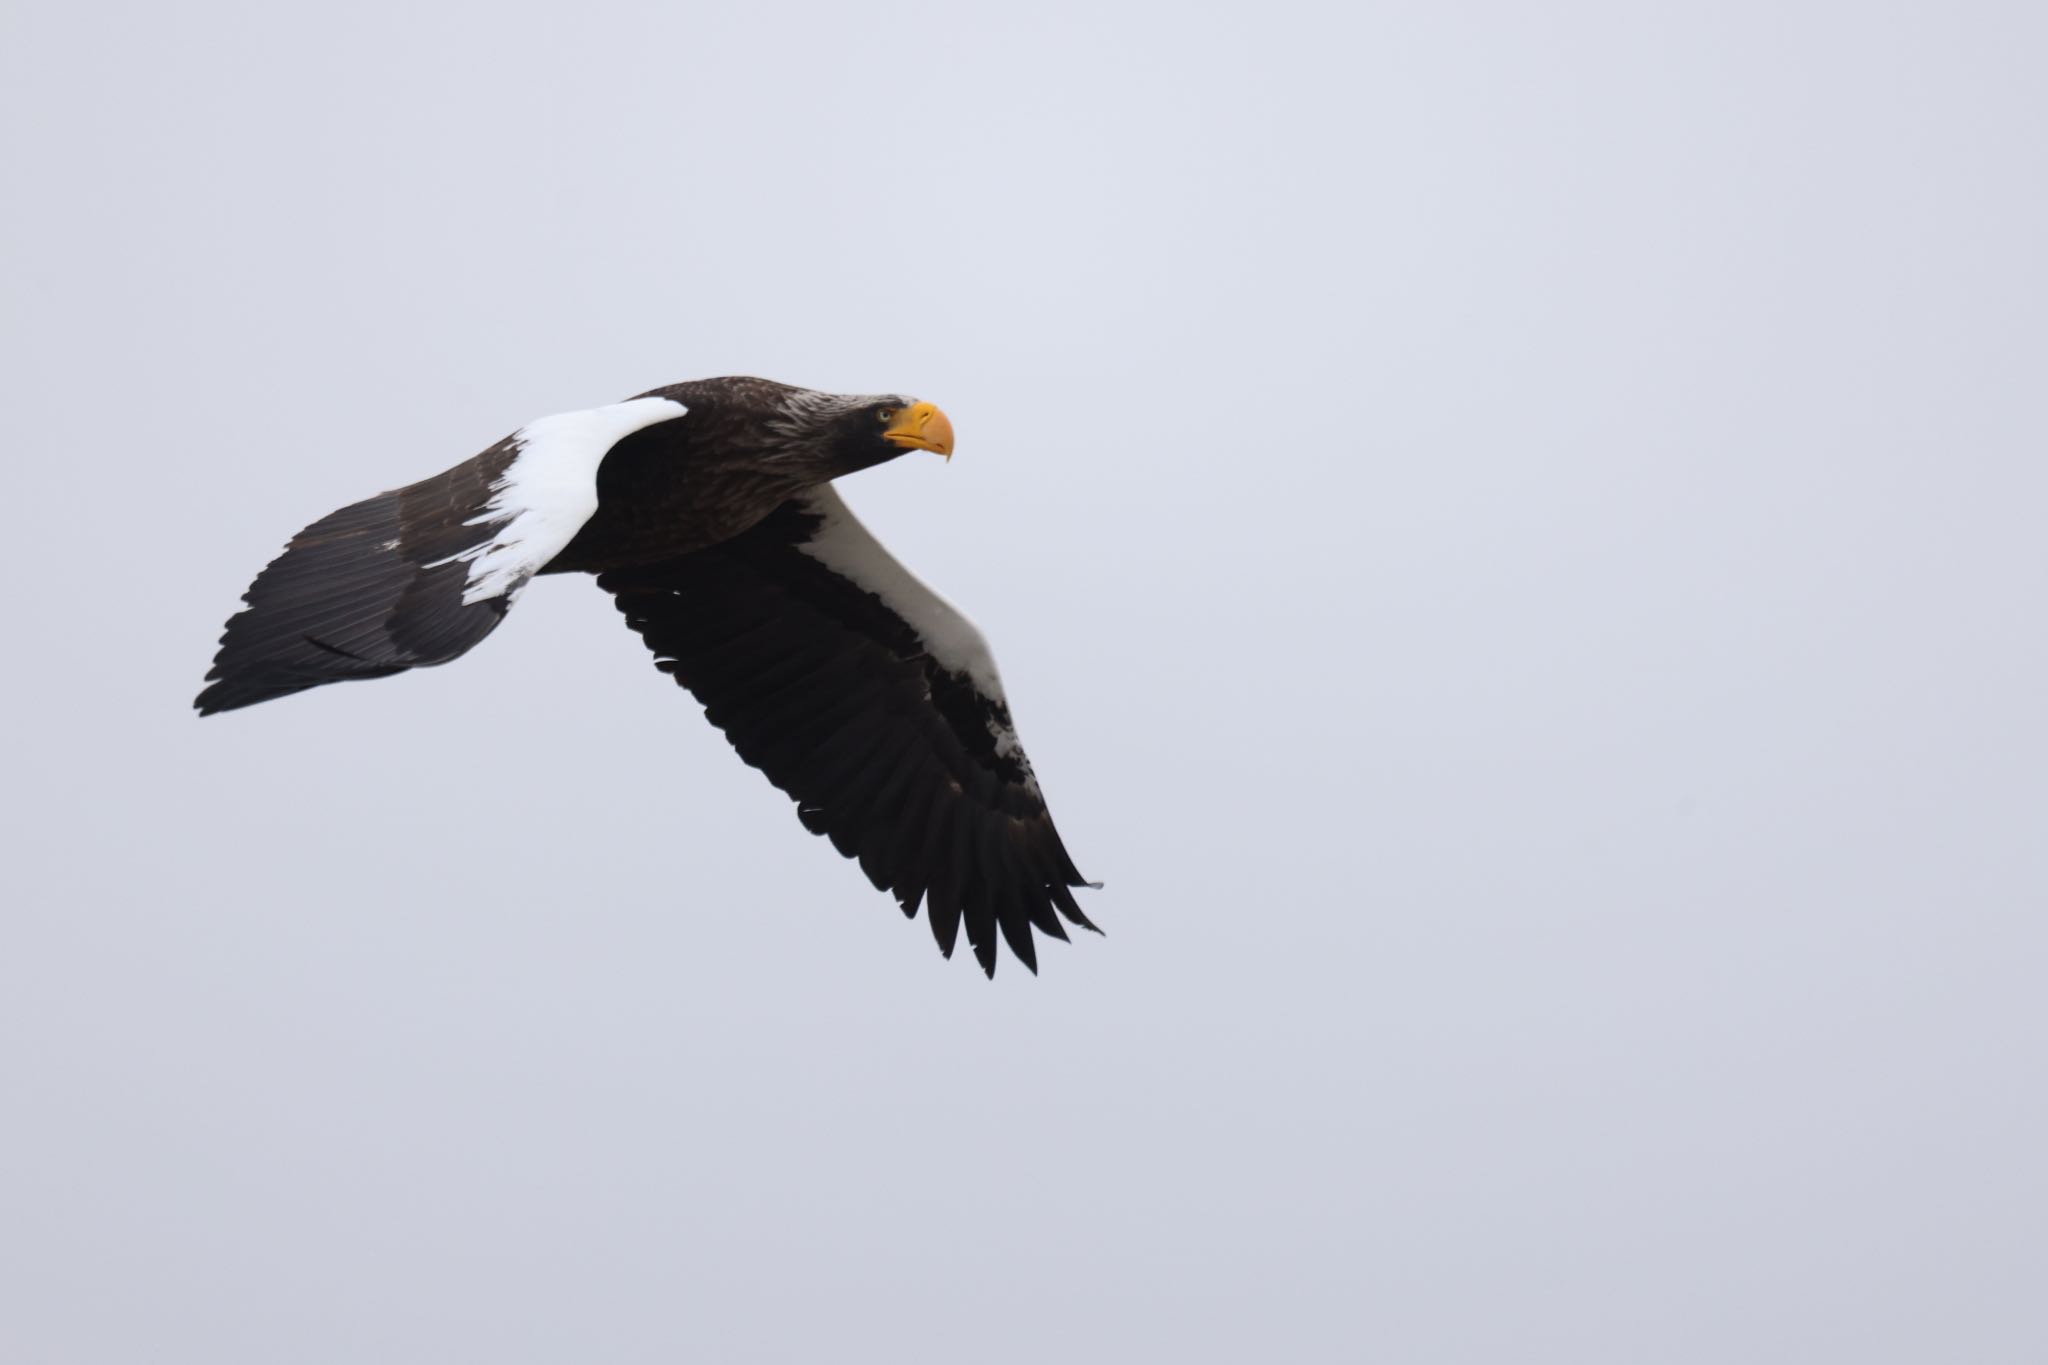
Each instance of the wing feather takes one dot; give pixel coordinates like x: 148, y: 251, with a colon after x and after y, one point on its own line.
x: 876, y: 704
x: 420, y: 574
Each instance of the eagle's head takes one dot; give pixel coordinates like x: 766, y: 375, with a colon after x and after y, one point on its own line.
x: 803, y: 436
x: 836, y: 433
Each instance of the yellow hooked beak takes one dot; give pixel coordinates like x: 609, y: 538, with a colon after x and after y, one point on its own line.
x: 921, y: 426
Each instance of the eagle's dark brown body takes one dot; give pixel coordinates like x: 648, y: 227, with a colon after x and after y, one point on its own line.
x: 682, y: 486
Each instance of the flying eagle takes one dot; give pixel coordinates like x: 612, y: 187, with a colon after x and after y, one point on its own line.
x: 706, y: 509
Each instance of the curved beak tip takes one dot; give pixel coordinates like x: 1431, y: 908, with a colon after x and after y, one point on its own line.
x: 922, y: 426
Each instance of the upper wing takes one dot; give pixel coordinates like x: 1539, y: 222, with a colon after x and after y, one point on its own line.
x: 876, y: 704
x: 420, y: 574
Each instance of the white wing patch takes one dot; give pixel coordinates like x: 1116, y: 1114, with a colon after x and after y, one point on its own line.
x: 548, y: 491
x: 843, y: 545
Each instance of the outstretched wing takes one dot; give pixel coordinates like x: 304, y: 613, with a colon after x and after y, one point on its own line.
x: 418, y: 575
x: 876, y: 704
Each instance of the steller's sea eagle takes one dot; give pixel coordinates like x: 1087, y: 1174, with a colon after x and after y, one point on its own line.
x: 706, y: 509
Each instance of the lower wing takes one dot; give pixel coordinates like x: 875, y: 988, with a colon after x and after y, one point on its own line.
x: 874, y: 703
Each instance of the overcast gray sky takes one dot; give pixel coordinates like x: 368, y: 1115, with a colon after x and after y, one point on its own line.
x: 1516, y: 539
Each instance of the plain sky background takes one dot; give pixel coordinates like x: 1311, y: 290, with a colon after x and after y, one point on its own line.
x: 1518, y: 539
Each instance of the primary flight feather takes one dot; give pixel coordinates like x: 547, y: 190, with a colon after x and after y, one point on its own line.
x: 706, y: 510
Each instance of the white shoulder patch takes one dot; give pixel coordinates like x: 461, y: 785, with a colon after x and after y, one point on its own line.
x: 548, y: 491
x: 850, y: 550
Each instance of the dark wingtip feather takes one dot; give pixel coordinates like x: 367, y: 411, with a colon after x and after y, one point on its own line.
x: 234, y: 693
x: 1070, y: 908
x: 1017, y: 933
x: 942, y: 910
x: 978, y: 916
x: 1042, y: 917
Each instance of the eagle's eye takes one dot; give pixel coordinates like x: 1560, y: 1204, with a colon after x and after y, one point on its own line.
x: 885, y: 415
